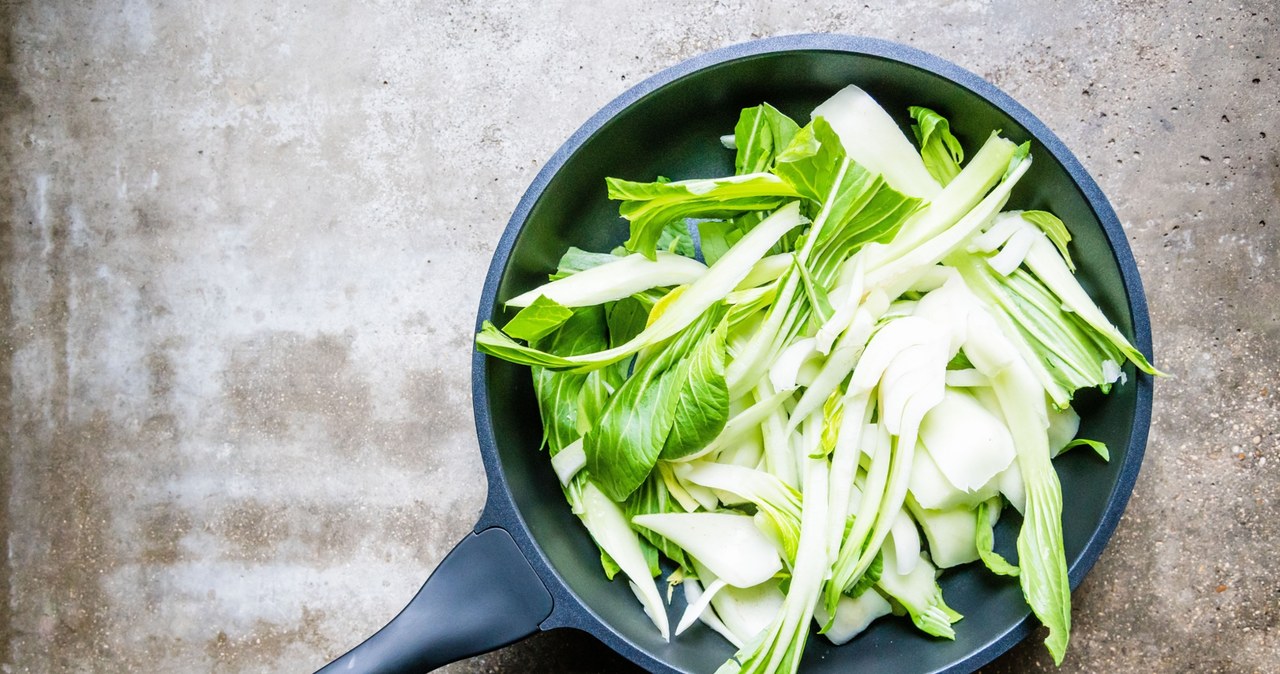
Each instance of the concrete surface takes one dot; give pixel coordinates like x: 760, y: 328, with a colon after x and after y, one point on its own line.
x: 242, y: 244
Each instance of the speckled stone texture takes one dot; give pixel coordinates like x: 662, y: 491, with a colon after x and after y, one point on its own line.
x: 242, y: 244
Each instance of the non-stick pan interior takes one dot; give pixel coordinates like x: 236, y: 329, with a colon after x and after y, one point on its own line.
x: 674, y: 131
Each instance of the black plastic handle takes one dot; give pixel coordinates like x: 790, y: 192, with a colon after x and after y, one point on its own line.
x: 484, y: 595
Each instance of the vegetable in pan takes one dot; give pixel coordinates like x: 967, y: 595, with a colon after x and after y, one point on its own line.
x: 816, y: 384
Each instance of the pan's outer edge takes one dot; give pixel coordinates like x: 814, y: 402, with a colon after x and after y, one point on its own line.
x: 500, y: 508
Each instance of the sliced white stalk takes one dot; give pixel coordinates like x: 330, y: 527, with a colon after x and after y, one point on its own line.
x: 994, y: 354
x: 1047, y: 264
x: 767, y: 270
x: 719, y: 280
x: 868, y: 507
x: 607, y: 524
x: 752, y: 361
x: 918, y: 368
x: 850, y: 298
x: 1063, y: 426
x: 969, y: 444
x: 856, y: 433
x: 948, y: 305
x: 888, y: 341
x: 873, y: 490
x: 979, y: 175
x: 906, y: 543
x: 1112, y: 373
x: 676, y: 489
x: 925, y: 397
x: 994, y: 341
x: 871, y: 138
x: 987, y: 398
x: 805, y: 444
x: 789, y: 629
x: 842, y: 359
x: 1003, y: 227
x: 855, y: 490
x: 745, y: 611
x: 616, y: 280
x: 754, y: 485
x: 951, y: 535
x: 1014, y: 251
x: 934, y: 491
x: 900, y: 274
x: 693, y: 593
x: 747, y: 296
x: 706, y: 498
x: 967, y: 378
x: 699, y: 606
x: 728, y: 544
x: 746, y: 452
x: 657, y: 613
x: 778, y: 458
x: 568, y: 461
x: 853, y: 616
x: 785, y: 373
x: 930, y: 280
x: 1012, y: 487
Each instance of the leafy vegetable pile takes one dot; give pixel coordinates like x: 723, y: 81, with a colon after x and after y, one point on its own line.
x: 858, y: 346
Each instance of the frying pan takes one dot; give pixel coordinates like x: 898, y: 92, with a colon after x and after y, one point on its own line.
x: 529, y: 565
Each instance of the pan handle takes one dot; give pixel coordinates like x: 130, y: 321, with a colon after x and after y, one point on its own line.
x: 484, y: 595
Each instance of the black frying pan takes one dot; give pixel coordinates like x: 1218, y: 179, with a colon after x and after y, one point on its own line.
x: 530, y: 566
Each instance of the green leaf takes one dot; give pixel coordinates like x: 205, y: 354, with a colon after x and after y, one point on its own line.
x: 568, y: 402
x: 675, y: 238
x: 626, y: 320
x: 986, y: 540
x: 651, y: 207
x: 939, y: 149
x: 703, y: 399
x: 561, y: 395
x: 959, y: 362
x: 490, y: 340
x: 611, y: 567
x: 869, y: 578
x: 1055, y: 230
x: 761, y: 133
x: 854, y: 205
x: 627, y: 440
x: 625, y: 443
x: 575, y: 260
x: 716, y: 236
x: 650, y: 552
x: 1099, y: 447
x: 537, y: 320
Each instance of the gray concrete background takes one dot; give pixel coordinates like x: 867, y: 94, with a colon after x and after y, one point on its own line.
x: 242, y: 244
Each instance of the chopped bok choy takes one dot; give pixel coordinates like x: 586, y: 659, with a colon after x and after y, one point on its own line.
x: 830, y: 402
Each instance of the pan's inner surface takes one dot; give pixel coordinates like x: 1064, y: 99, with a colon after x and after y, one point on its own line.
x: 674, y: 131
